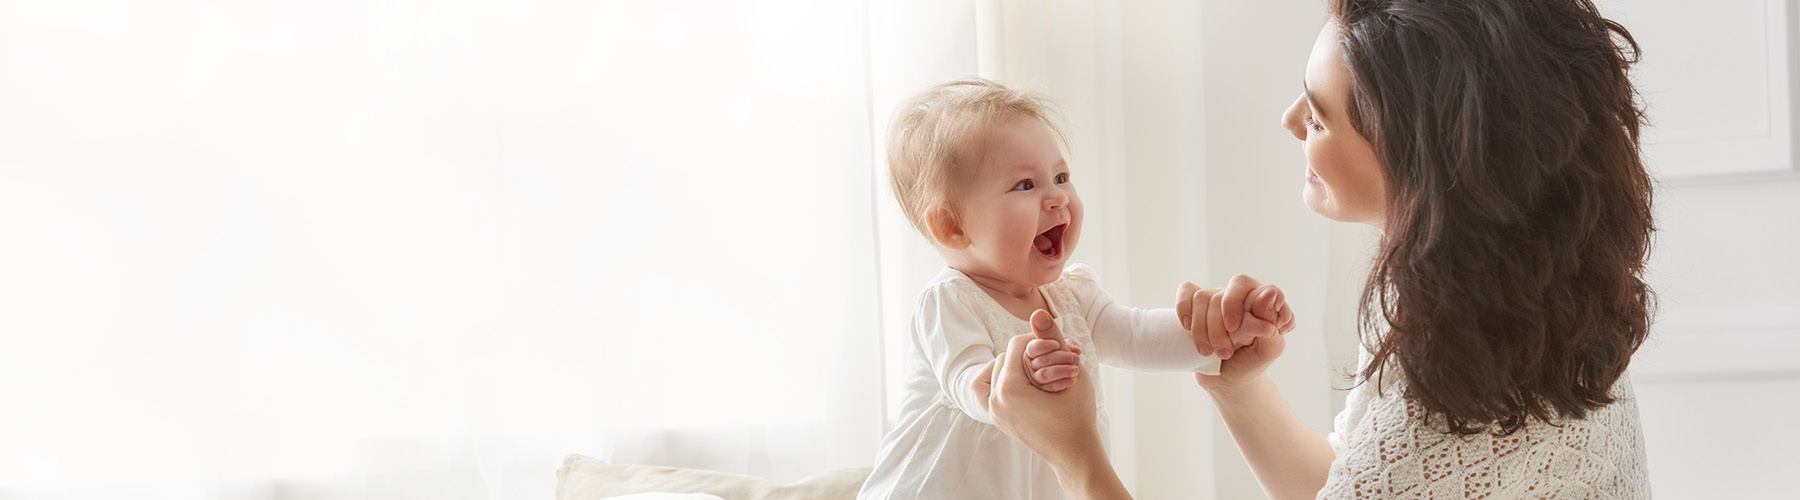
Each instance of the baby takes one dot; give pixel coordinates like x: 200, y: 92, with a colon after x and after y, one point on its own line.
x: 978, y: 169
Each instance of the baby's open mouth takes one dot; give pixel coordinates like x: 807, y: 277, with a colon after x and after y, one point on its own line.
x: 1050, y: 243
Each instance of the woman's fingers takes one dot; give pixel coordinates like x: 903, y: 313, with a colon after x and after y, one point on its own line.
x: 1265, y: 302
x: 1264, y: 313
x: 1236, y: 293
x: 1011, y: 379
x: 1215, y: 327
x: 1054, y: 425
x: 1271, y: 304
x: 984, y: 382
x: 1287, y: 320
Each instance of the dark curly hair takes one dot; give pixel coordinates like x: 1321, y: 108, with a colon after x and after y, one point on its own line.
x: 1518, y: 210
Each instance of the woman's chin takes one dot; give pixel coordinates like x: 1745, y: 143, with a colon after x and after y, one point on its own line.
x: 1315, y: 201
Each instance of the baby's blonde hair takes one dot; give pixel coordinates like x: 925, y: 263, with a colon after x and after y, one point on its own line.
x: 929, y: 129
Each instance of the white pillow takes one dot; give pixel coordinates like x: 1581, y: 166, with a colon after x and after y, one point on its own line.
x: 666, y: 496
x: 587, y: 478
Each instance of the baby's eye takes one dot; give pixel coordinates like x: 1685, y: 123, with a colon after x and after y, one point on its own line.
x: 1024, y: 185
x: 1062, y: 178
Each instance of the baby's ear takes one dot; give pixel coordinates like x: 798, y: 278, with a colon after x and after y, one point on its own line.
x: 945, y: 229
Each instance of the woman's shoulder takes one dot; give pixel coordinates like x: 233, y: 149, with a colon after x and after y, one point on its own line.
x: 1397, y: 446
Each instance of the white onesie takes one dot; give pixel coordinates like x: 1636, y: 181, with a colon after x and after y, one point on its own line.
x: 945, y: 444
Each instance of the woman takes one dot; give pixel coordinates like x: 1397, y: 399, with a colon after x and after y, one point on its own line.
x: 1495, y: 145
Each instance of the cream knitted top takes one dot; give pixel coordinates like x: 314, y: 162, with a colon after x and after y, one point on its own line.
x: 1386, y: 448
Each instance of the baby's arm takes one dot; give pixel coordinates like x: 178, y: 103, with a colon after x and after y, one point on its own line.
x: 1159, y: 339
x: 1147, y: 340
x: 956, y: 348
x: 1132, y: 338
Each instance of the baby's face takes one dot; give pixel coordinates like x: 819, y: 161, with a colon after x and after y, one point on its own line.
x: 1017, y: 206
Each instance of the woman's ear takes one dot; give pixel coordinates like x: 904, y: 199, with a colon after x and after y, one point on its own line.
x: 945, y: 230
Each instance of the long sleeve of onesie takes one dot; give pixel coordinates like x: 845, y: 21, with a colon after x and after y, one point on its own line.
x: 956, y: 345
x: 1133, y: 338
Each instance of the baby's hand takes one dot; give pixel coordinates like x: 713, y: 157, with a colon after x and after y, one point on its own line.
x: 1054, y: 362
x: 1221, y: 332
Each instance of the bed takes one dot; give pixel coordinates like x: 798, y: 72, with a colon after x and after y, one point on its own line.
x: 586, y: 478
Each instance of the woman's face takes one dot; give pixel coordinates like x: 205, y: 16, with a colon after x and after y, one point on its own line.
x: 1343, y: 180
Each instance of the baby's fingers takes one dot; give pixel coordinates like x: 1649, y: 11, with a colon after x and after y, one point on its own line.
x: 1040, y: 347
x: 1057, y: 386
x: 1184, y: 303
x: 1046, y: 376
x: 1054, y: 358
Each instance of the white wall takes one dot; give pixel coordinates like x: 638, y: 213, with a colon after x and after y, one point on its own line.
x: 1215, y: 184
x: 1719, y: 379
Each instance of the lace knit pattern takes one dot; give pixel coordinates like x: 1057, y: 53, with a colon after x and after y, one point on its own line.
x: 1387, y: 448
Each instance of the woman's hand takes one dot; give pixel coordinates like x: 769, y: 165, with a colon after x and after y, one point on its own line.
x: 1060, y: 427
x: 1248, y: 301
x: 1053, y: 364
x: 1052, y: 424
x: 1244, y: 307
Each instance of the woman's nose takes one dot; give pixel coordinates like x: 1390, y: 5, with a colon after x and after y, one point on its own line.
x: 1291, y: 119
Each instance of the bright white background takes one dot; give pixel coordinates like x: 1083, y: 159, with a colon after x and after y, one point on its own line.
x: 391, y: 249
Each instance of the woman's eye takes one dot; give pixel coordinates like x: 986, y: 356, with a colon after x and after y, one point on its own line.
x: 1024, y: 185
x: 1062, y: 178
x: 1314, y: 124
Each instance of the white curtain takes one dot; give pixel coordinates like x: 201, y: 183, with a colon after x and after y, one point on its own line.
x: 395, y: 249
x: 423, y: 249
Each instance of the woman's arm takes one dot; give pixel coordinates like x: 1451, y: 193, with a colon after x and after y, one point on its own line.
x: 1289, y: 459
x: 1061, y: 427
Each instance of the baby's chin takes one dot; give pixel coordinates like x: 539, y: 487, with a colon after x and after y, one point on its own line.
x: 1051, y: 272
